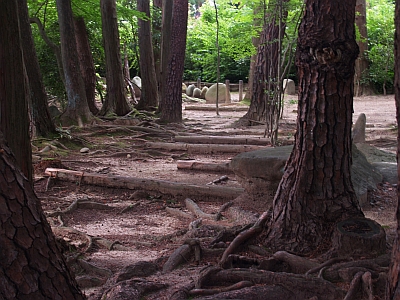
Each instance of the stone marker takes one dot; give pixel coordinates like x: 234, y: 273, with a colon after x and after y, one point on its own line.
x: 211, y: 95
x: 358, y: 133
x: 196, y: 93
x: 289, y: 87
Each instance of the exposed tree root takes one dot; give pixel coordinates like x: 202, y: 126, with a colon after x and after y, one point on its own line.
x: 79, y: 203
x: 178, y: 213
x: 345, y: 271
x: 299, y: 285
x: 183, y: 255
x: 195, y: 209
x: 205, y: 292
x: 244, y: 236
x: 298, y: 265
x: 128, y: 208
x: 355, y: 286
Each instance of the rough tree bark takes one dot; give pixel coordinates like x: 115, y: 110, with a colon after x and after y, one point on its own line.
x: 115, y: 101
x: 31, y: 264
x: 167, y: 8
x: 172, y: 103
x: 14, y: 120
x: 44, y: 126
x: 264, y: 105
x: 316, y: 189
x: 361, y: 68
x: 86, y: 63
x: 56, y: 49
x: 77, y: 108
x: 149, y: 96
x: 393, y: 286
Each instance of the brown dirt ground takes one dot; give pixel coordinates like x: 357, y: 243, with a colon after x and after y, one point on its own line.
x: 140, y: 227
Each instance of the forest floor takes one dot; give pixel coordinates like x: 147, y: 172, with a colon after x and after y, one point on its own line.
x: 137, y: 220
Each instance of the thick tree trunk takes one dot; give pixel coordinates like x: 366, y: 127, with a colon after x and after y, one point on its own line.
x: 393, y: 286
x: 172, y: 103
x: 86, y: 63
x: 149, y: 96
x: 14, y: 120
x: 316, y: 189
x: 31, y: 265
x: 39, y: 109
x: 77, y: 109
x: 115, y: 101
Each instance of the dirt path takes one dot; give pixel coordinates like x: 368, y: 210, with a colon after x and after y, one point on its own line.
x: 145, y: 227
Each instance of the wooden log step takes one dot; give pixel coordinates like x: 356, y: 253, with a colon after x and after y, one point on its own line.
x: 221, y: 107
x: 202, y: 139
x: 164, y: 187
x: 203, y: 166
x: 203, y: 148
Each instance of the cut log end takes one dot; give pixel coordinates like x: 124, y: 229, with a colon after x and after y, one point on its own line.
x: 359, y: 237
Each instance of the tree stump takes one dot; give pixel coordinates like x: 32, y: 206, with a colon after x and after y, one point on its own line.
x: 360, y: 237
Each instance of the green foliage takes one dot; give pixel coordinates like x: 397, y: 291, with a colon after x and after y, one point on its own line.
x: 380, y: 26
x: 235, y: 33
x: 46, y: 11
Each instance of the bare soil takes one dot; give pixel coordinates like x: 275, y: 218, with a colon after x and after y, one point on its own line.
x: 137, y: 219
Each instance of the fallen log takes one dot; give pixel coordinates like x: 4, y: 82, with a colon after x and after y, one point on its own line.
x: 203, y: 166
x: 206, y: 139
x: 161, y: 186
x: 203, y: 148
x: 205, y: 107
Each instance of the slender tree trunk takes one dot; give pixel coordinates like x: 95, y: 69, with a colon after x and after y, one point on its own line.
x: 316, y: 189
x: 115, y: 101
x: 39, y: 109
x: 149, y: 96
x: 393, y: 286
x: 14, y: 119
x: 264, y: 105
x: 77, y: 109
x: 165, y: 48
x: 56, y: 49
x: 172, y: 104
x: 361, y: 68
x: 86, y: 63
x: 256, y: 42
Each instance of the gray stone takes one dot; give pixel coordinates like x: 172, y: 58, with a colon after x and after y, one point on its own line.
x: 196, y: 93
x: 358, y: 133
x: 203, y: 92
x: 54, y: 111
x: 84, y: 150
x: 190, y: 89
x: 388, y: 171
x: 289, y: 87
x: 137, y: 81
x: 260, y: 171
x: 211, y: 95
x: 137, y: 86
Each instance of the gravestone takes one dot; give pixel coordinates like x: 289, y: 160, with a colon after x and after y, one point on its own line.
x: 190, y: 89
